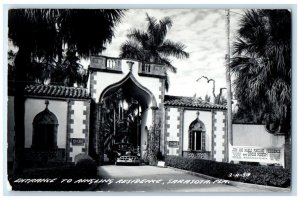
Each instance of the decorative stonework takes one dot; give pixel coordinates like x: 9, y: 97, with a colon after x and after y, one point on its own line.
x: 225, y: 138
x: 79, y: 122
x: 93, y: 83
x: 86, y: 130
x: 180, y: 130
x: 172, y: 132
x: 219, y: 136
x: 167, y: 126
x: 69, y: 130
x: 162, y: 92
x: 213, y: 143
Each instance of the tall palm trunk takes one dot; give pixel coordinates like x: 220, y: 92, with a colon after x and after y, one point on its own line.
x: 228, y: 81
x: 22, y: 62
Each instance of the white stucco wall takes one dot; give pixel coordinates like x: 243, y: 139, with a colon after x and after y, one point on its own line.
x: 255, y: 135
x: 220, y: 136
x: 77, y: 127
x: 105, y: 79
x: 173, y: 129
x: 57, y: 107
x: 188, y: 117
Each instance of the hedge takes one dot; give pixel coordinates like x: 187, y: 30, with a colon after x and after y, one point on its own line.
x: 262, y: 175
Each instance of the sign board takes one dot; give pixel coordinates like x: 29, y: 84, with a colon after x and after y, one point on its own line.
x: 78, y: 141
x: 269, y: 155
x: 161, y: 164
x: 174, y: 144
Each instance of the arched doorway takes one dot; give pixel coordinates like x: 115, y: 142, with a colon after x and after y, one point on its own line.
x: 126, y: 110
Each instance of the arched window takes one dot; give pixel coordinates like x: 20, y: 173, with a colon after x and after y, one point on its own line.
x: 197, y: 135
x: 45, y: 126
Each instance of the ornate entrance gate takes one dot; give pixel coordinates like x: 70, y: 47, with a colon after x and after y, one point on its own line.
x: 116, y: 87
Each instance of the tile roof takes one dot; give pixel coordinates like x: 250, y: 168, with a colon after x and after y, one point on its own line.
x: 190, y: 102
x: 57, y: 91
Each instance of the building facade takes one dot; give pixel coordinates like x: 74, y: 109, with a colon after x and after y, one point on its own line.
x: 62, y: 122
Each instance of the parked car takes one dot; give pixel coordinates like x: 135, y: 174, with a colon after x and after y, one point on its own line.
x: 124, y: 153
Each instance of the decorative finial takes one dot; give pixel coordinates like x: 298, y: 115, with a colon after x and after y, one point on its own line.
x: 47, y: 103
x: 197, y: 113
x: 130, y: 64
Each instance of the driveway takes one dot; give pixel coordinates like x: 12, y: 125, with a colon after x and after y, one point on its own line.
x: 156, y: 179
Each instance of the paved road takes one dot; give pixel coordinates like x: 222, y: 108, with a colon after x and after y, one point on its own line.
x: 124, y: 178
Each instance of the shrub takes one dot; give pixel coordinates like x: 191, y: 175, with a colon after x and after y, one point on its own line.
x: 85, y: 166
x: 262, y: 175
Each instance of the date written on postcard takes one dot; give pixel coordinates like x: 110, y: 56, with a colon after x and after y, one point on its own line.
x: 237, y: 175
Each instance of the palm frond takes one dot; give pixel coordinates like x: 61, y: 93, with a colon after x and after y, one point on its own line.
x: 139, y: 36
x: 152, y: 22
x: 165, y: 61
x: 162, y: 28
x: 169, y: 48
x: 133, y: 50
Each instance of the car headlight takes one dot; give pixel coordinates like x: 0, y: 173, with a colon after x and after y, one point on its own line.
x: 119, y: 154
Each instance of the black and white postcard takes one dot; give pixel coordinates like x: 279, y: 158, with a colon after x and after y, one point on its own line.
x: 149, y: 100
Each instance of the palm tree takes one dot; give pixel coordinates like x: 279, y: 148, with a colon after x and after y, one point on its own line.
x: 262, y: 65
x: 41, y: 70
x: 152, y: 46
x: 69, y: 71
x: 43, y: 33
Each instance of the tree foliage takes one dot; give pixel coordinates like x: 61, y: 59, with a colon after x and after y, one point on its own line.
x: 152, y: 46
x: 119, y: 124
x: 45, y: 31
x: 262, y: 66
x: 42, y: 34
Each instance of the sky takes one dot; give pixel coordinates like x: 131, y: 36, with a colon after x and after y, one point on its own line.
x: 203, y: 33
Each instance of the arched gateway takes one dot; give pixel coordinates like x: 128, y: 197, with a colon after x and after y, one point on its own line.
x: 128, y: 98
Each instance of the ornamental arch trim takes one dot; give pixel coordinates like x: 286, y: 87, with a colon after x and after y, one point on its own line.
x: 129, y: 77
